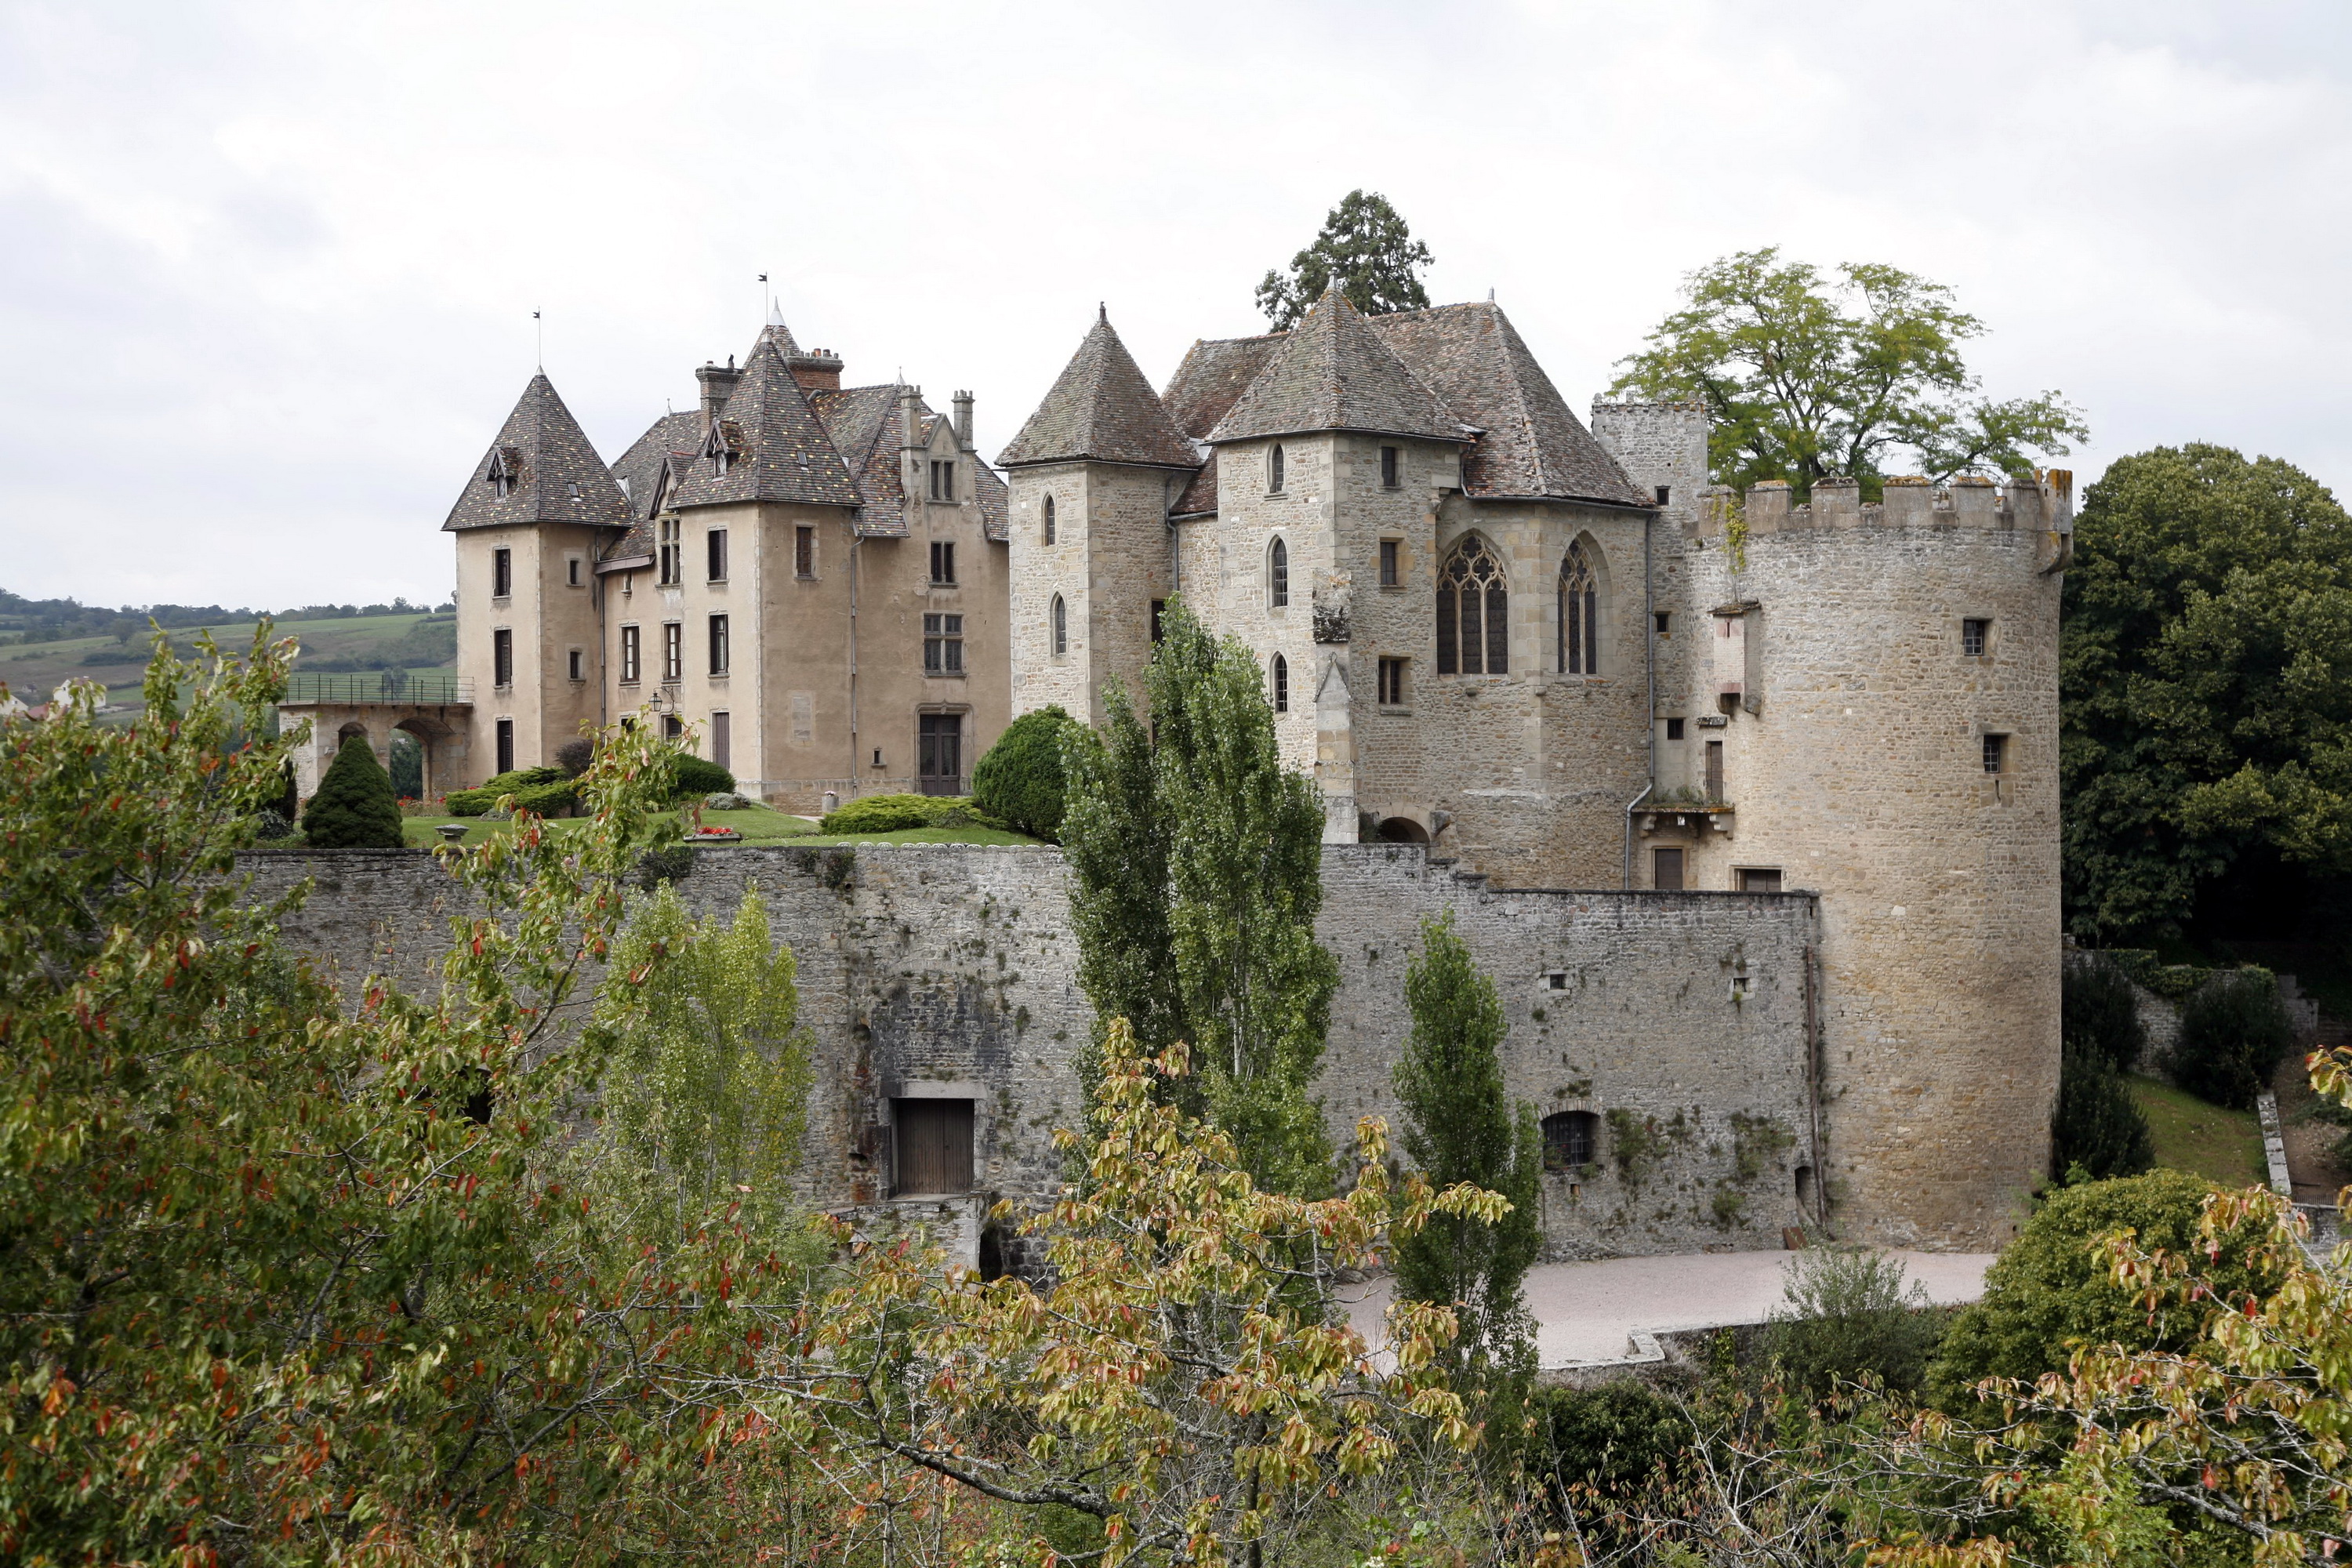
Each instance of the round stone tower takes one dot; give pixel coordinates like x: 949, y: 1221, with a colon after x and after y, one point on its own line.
x: 1880, y: 687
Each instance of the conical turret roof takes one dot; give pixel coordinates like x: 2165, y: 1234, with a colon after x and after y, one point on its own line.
x: 1333, y: 373
x: 541, y: 468
x: 768, y: 445
x: 1101, y: 409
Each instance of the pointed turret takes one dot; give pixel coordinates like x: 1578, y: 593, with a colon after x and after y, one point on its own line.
x: 1101, y: 410
x: 1333, y: 373
x: 541, y: 468
x: 816, y: 371
x: 767, y: 444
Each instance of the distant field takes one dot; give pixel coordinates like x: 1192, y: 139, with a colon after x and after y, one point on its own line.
x: 33, y: 670
x: 2225, y: 1146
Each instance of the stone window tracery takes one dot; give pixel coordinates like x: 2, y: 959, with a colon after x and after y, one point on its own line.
x: 1580, y: 614
x: 1473, y: 606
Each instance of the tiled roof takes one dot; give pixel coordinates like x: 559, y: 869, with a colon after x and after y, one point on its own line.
x: 1531, y: 445
x: 1215, y: 372
x: 1101, y: 408
x: 555, y: 474
x: 672, y: 437
x: 1333, y: 373
x: 865, y: 426
x: 782, y: 450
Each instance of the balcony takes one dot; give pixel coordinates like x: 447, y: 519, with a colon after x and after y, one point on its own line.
x: 376, y: 688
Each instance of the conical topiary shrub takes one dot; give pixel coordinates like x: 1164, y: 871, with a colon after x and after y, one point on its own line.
x: 354, y: 808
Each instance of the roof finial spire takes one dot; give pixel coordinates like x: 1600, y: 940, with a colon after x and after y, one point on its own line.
x: 541, y: 327
x: 1102, y: 311
x: 1490, y: 293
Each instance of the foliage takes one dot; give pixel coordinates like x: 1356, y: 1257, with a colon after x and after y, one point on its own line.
x: 288, y: 803
x: 1804, y: 376
x: 1461, y: 1127
x: 354, y: 808
x: 2099, y: 1131
x: 2234, y: 1033
x: 1020, y: 781
x: 1365, y: 250
x: 544, y: 791
x: 1196, y: 859
x: 574, y: 756
x: 2047, y: 1292
x: 1605, y: 1443
x: 2206, y: 686
x: 1848, y: 1317
x: 2099, y: 1011
x: 692, y: 777
x: 897, y: 813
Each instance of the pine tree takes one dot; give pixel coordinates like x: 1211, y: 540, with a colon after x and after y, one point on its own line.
x: 1460, y: 1126
x: 354, y: 808
x: 1366, y: 249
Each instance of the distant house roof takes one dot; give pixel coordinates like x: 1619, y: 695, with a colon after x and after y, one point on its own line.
x: 767, y: 444
x: 541, y: 468
x: 1101, y: 409
x: 1333, y: 371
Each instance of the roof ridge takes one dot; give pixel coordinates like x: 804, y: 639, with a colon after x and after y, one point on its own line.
x: 1101, y: 407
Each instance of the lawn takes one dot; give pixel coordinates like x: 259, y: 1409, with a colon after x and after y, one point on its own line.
x: 2225, y: 1146
x: 757, y: 824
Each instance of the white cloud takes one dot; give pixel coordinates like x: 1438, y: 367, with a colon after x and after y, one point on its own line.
x: 270, y: 266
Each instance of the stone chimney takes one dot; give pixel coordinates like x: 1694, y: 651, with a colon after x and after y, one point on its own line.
x: 963, y: 420
x: 911, y: 439
x: 718, y: 387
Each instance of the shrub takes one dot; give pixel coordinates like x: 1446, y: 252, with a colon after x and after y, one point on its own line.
x: 2049, y: 1291
x: 354, y: 808
x: 469, y: 801
x: 574, y: 757
x: 552, y: 799
x: 1848, y: 1316
x: 897, y: 813
x: 545, y: 791
x: 1609, y: 1440
x: 1021, y: 779
x: 693, y: 776
x: 669, y: 863
x: 2100, y: 1128
x: 2234, y: 1033
x: 2101, y: 1011
x: 522, y: 778
x: 271, y: 827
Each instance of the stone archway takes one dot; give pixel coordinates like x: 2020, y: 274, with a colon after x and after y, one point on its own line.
x: 1403, y: 830
x: 432, y: 737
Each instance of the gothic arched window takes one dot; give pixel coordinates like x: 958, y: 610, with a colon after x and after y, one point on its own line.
x: 1474, y: 630
x: 1061, y: 626
x: 1281, y: 674
x: 1277, y: 574
x: 1274, y: 467
x: 1580, y: 614
x: 1049, y: 519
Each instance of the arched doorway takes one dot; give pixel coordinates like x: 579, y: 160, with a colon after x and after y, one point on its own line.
x: 1403, y: 830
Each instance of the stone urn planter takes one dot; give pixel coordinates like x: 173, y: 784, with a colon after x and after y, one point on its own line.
x: 454, y: 832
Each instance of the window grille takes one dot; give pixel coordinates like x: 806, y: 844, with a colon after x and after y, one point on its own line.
x: 1974, y: 637
x: 1571, y: 1139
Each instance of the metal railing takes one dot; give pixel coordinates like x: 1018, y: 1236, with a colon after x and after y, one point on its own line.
x: 378, y: 687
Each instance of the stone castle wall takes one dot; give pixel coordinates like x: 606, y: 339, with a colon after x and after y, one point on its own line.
x: 1679, y: 1022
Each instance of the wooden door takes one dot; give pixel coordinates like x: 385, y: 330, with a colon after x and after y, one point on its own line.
x: 1666, y: 870
x: 1715, y: 772
x: 940, y: 752
x: 934, y: 1146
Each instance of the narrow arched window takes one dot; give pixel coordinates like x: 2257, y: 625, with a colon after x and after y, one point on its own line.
x: 1049, y: 526
x: 1580, y: 615
x: 1274, y: 467
x: 1277, y: 575
x: 1474, y: 630
x: 1281, y: 672
x: 1061, y: 626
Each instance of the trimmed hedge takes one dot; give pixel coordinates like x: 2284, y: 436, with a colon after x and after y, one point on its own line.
x: 540, y: 791
x: 1021, y: 779
x: 693, y: 778
x: 897, y: 812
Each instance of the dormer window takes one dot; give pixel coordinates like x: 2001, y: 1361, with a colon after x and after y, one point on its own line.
x: 720, y: 450
x: 506, y: 472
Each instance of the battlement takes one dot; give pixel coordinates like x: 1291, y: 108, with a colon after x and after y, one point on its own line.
x: 2043, y: 504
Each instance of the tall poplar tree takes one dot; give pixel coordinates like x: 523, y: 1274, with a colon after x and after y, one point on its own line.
x: 1198, y: 862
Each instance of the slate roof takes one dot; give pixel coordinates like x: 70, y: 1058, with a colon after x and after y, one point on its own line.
x: 865, y: 428
x: 556, y: 475
x: 672, y: 438
x: 783, y: 451
x: 1215, y: 372
x: 1333, y: 371
x: 1530, y: 444
x: 1101, y: 408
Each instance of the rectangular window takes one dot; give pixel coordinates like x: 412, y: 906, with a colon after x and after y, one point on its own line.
x: 1666, y: 870
x: 934, y: 1145
x: 715, y: 545
x: 576, y: 664
x: 673, y: 650
x: 502, y: 573
x: 672, y: 569
x: 506, y: 745
x: 939, y: 752
x: 1389, y: 467
x: 719, y: 645
x: 722, y: 740
x: 1996, y: 753
x: 944, y: 481
x: 1974, y: 637
x: 502, y: 658
x: 1392, y: 683
x: 630, y: 653
x: 673, y: 727
x: 943, y: 645
x: 943, y: 562
x: 1664, y: 492
x: 804, y: 551
x: 1663, y: 624
x: 1390, y: 550
x: 1674, y: 728
x: 571, y: 570
x: 1715, y: 772
x: 1760, y: 879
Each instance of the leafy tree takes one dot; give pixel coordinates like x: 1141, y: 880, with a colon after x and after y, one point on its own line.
x: 354, y: 808
x: 1365, y: 250
x: 2205, y: 687
x: 1460, y: 1127
x: 2100, y: 1131
x: 2099, y: 1011
x: 1021, y: 779
x: 1197, y: 859
x: 2234, y: 1032
x: 1847, y: 1316
x: 1805, y: 376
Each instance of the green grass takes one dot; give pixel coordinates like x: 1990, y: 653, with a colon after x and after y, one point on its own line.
x: 2224, y: 1146
x: 32, y: 671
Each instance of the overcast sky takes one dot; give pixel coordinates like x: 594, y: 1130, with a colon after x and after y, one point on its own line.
x: 268, y: 269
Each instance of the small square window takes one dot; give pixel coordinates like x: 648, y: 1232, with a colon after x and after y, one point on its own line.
x: 1976, y: 637
x: 1388, y: 479
x: 1392, y: 683
x: 1759, y: 878
x: 1663, y: 623
x: 1665, y: 492
x: 1556, y: 980
x: 1996, y: 753
x: 1392, y: 573
x: 1674, y: 728
x: 576, y: 665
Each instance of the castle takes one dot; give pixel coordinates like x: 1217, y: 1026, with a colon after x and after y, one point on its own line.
x: 1804, y: 755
